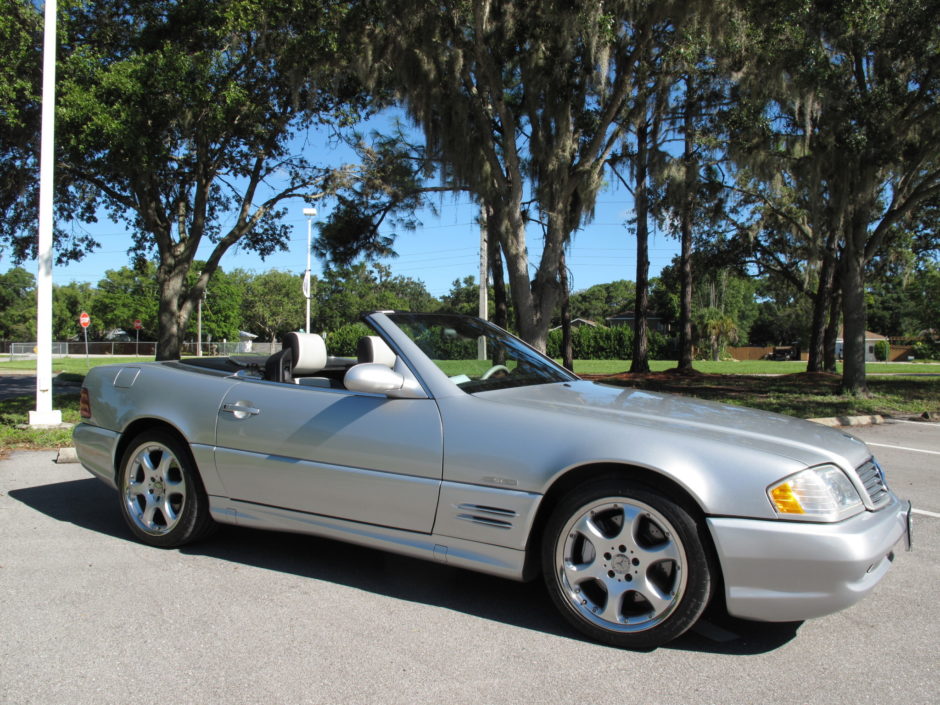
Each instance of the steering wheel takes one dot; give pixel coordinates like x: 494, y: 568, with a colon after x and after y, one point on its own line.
x: 493, y: 370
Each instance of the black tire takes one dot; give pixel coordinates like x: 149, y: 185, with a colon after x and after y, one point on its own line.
x: 625, y: 565
x: 161, y: 494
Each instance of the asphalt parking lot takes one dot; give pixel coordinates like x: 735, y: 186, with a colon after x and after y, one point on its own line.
x: 91, y: 616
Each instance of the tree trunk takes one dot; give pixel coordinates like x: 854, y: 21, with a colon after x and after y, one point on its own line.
x: 821, y: 307
x: 176, y: 305
x: 640, y: 362
x: 500, y: 315
x: 533, y: 301
x: 854, y: 321
x: 685, y: 262
x: 567, y: 348
x: 170, y: 314
x: 500, y: 307
x: 832, y: 330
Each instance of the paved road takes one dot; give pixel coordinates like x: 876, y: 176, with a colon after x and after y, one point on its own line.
x: 90, y: 616
x: 909, y: 451
x: 21, y: 385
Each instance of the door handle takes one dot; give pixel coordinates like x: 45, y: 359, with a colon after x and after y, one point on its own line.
x: 240, y: 410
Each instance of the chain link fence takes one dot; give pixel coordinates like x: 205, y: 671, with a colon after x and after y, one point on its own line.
x: 148, y: 349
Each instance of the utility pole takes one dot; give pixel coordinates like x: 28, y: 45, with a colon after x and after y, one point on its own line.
x: 44, y: 414
x: 311, y: 213
x: 484, y: 281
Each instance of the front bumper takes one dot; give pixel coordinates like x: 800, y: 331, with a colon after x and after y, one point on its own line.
x: 782, y: 571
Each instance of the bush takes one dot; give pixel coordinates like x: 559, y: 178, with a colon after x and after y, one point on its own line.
x: 342, y: 341
x: 590, y: 343
x: 882, y: 350
x: 925, y: 350
x: 438, y: 345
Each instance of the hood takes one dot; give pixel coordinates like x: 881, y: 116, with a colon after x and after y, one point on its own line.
x: 803, y: 441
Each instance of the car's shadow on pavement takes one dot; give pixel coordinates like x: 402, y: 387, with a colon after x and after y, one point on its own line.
x: 91, y: 505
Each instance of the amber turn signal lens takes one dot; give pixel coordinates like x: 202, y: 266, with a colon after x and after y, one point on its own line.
x: 785, y: 501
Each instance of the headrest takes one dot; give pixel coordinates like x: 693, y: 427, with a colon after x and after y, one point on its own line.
x: 308, y: 352
x: 371, y: 348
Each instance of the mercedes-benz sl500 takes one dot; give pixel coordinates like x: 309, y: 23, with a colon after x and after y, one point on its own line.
x: 448, y: 439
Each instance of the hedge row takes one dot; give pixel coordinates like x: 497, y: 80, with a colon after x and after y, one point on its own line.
x: 615, y: 343
x: 589, y: 343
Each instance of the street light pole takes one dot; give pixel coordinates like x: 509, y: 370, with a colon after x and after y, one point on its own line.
x: 199, y: 325
x: 311, y: 214
x: 44, y: 414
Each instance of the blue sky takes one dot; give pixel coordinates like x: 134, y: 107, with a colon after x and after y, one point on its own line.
x: 442, y: 249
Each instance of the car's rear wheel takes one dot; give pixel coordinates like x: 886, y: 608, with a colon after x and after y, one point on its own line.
x: 162, y: 497
x: 625, y: 565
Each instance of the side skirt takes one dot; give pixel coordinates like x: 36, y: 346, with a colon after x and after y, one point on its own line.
x: 480, y: 557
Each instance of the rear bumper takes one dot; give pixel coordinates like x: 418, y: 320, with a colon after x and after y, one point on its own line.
x: 95, y: 448
x: 778, y: 571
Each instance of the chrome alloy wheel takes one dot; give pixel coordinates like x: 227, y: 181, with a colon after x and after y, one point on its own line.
x: 154, y: 489
x: 621, y: 565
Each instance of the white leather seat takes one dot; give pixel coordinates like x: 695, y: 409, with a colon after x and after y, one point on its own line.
x: 309, y: 353
x: 302, y: 355
x: 371, y: 348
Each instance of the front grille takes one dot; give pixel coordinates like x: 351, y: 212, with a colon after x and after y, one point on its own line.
x: 873, y: 479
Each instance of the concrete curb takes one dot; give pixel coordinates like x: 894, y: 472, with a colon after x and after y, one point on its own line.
x: 849, y: 420
x: 66, y: 455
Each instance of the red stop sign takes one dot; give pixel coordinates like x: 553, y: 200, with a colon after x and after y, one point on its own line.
x: 137, y: 324
x: 84, y: 319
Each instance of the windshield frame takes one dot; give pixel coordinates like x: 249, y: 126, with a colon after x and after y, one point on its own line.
x: 539, y: 369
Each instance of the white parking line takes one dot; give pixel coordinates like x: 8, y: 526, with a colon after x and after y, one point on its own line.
x: 925, y: 513
x: 913, y: 450
x: 924, y: 424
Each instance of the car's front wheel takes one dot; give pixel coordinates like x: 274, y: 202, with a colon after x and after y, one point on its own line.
x: 625, y: 565
x: 162, y: 498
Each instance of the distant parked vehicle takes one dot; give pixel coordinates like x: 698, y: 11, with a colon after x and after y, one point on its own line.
x: 117, y: 335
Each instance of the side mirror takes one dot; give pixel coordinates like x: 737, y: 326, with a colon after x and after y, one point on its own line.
x: 376, y: 378
x: 373, y: 378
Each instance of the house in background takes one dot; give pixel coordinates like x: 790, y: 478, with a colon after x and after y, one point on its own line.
x: 653, y: 320
x: 870, y: 340
x: 578, y: 322
x: 245, y: 340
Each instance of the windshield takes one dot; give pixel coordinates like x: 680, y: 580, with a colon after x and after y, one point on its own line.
x: 476, y: 355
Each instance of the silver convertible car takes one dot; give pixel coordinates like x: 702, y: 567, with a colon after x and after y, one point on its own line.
x: 451, y: 440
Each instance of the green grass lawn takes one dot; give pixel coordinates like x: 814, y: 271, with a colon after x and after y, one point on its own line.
x: 80, y: 365
x: 895, y: 390
x: 802, y: 395
x: 750, y: 367
x: 14, y: 413
x: 74, y: 365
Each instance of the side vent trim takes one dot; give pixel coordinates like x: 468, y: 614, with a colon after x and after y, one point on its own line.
x: 484, y: 509
x: 486, y: 515
x: 484, y: 521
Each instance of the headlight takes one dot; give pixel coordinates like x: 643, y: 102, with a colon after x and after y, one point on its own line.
x: 817, y: 494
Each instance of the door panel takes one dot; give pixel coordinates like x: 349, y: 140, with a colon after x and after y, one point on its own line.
x: 360, y: 457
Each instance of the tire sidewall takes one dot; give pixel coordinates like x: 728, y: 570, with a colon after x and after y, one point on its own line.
x: 700, y: 572
x: 194, y: 502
